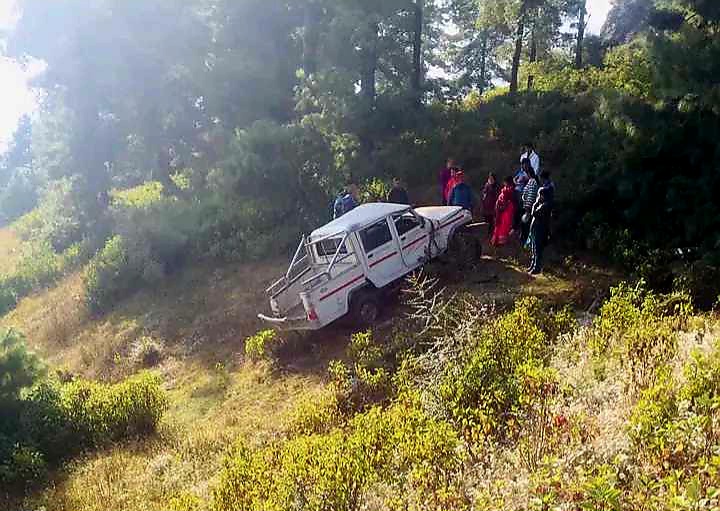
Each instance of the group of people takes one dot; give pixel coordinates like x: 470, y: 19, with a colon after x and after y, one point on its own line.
x: 519, y: 207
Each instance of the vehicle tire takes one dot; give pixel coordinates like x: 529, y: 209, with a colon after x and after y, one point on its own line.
x: 365, y: 308
x: 463, y: 250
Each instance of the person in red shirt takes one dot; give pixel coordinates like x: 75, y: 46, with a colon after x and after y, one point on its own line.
x: 445, y: 175
x: 504, y: 213
x: 451, y: 184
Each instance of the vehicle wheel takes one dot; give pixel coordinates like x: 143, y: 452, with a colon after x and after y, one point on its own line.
x: 463, y: 250
x: 365, y: 309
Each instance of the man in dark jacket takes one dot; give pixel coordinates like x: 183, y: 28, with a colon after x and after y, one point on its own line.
x: 347, y: 201
x: 461, y: 194
x: 539, y: 230
x: 398, y: 194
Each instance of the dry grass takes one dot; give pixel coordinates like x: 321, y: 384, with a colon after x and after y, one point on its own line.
x: 9, y: 250
x: 201, y: 317
x: 186, y: 456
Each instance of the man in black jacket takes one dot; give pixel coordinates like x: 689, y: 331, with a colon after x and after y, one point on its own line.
x: 398, y: 194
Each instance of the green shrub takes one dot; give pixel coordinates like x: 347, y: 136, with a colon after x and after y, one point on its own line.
x: 400, y: 447
x: 639, y: 328
x: 139, y: 197
x: 52, y: 421
x: 56, y: 220
x: 38, y: 266
x: 185, y: 502
x: 317, y: 413
x: 107, y: 413
x: 481, y: 391
x: 675, y: 424
x: 19, y: 369
x: 110, y: 275
x: 260, y: 345
x: 20, y: 464
x: 56, y: 421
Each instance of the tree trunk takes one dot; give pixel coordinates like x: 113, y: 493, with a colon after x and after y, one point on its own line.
x: 483, y: 62
x: 533, y: 57
x: 310, y: 37
x: 370, y: 58
x: 417, y: 52
x: 582, y: 25
x: 518, y: 52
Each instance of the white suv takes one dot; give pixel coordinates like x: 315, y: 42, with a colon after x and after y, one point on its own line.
x: 344, y: 266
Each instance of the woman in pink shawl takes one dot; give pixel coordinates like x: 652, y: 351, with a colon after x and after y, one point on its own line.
x: 504, y: 213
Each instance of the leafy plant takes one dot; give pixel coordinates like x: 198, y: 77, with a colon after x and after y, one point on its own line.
x: 260, y: 345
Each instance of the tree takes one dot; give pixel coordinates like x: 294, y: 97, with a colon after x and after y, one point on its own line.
x: 473, y: 51
x: 581, y: 26
x: 626, y: 19
x: 417, y: 49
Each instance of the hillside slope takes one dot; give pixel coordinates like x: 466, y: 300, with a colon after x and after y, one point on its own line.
x: 197, y: 320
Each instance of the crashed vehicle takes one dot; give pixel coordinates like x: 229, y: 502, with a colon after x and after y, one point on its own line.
x: 346, y: 266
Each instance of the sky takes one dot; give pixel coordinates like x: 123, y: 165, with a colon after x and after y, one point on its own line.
x: 17, y: 99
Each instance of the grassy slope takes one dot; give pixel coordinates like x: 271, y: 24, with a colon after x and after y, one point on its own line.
x: 9, y: 250
x: 202, y: 316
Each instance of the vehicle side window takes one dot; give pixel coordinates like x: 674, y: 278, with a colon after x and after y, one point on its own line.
x: 406, y: 223
x: 375, y: 236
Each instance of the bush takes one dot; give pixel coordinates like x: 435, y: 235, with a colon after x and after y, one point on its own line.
x: 19, y: 369
x: 676, y: 424
x: 110, y: 275
x: 56, y: 220
x: 317, y: 413
x: 639, y: 328
x: 106, y: 413
x: 38, y: 266
x: 400, y: 447
x: 481, y: 391
x: 56, y: 421
x: 260, y: 345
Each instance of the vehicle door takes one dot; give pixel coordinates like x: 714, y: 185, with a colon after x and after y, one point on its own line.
x: 413, y: 237
x: 383, y: 255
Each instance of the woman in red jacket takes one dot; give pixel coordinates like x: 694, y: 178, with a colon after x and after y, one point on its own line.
x: 504, y: 213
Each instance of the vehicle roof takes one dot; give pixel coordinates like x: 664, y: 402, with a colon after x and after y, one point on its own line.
x: 358, y: 218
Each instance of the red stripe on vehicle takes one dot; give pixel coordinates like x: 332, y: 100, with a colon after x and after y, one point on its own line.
x: 337, y: 290
x: 447, y: 224
x: 373, y: 265
x: 413, y: 243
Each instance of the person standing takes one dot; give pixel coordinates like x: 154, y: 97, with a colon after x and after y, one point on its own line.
x: 451, y: 184
x: 461, y: 193
x: 529, y: 196
x: 530, y: 154
x: 539, y: 230
x: 504, y: 213
x: 347, y: 201
x: 490, y: 194
x: 398, y: 194
x: 547, y: 182
x: 445, y: 175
